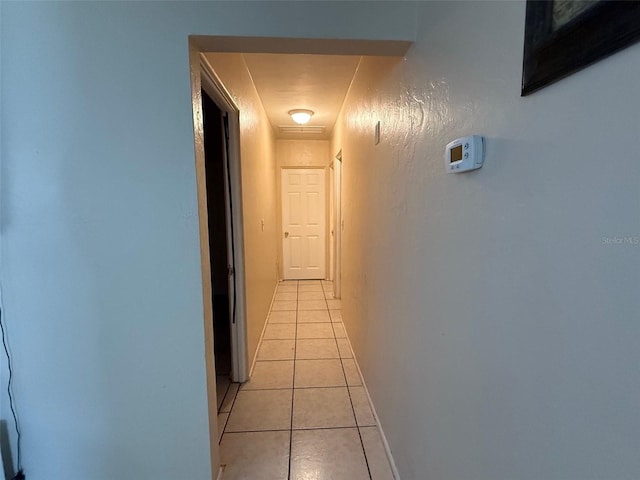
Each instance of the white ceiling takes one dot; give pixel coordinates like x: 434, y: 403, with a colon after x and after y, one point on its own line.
x: 315, y: 82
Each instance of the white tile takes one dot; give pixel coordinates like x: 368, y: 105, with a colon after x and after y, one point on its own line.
x: 329, y: 454
x: 311, y: 296
x: 344, y: 348
x: 328, y: 294
x: 310, y: 288
x: 319, y: 373
x: 322, y: 408
x: 280, y: 331
x: 316, y: 348
x: 327, y: 283
x: 376, y: 454
x: 351, y: 372
x: 269, y: 375
x: 336, y: 315
x: 286, y: 305
x: 364, y: 415
x: 339, y: 330
x: 314, y: 316
x: 315, y: 330
x: 261, y: 410
x: 282, y: 317
x: 255, y: 455
x: 334, y: 304
x: 287, y: 288
x: 230, y: 397
x: 276, y: 350
x: 309, y: 282
x: 312, y: 305
x: 284, y: 297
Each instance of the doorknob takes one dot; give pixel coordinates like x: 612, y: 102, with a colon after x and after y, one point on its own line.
x: 286, y: 234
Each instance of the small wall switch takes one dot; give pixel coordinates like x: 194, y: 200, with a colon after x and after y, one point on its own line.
x: 262, y: 224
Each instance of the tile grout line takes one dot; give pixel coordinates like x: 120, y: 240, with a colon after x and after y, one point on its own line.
x: 295, y: 341
x: 233, y: 403
x: 264, y: 329
x: 295, y: 388
x: 291, y: 429
x: 387, y: 449
x: 353, y: 409
x: 226, y: 392
x: 298, y: 429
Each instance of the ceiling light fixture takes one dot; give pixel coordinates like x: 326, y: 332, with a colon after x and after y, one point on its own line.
x: 301, y: 116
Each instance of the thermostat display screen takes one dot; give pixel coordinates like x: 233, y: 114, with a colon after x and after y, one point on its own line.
x: 456, y: 153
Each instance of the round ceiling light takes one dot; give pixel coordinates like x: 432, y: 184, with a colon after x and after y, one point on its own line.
x: 301, y: 116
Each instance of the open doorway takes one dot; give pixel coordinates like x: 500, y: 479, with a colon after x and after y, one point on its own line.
x: 251, y: 85
x: 336, y: 225
x: 219, y: 245
x: 220, y: 196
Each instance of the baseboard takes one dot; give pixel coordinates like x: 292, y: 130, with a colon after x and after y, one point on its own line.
x: 385, y: 443
x: 264, y: 327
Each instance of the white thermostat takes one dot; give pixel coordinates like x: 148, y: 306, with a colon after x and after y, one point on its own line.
x: 463, y: 154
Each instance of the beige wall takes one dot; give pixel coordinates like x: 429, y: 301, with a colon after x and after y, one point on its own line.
x: 301, y: 153
x: 257, y: 151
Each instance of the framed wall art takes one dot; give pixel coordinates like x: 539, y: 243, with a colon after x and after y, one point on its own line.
x: 564, y: 36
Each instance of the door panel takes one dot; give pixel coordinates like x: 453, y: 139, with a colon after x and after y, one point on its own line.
x: 295, y: 209
x: 314, y: 210
x: 295, y: 253
x: 303, y: 223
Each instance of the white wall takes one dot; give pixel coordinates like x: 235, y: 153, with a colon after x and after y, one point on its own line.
x: 497, y: 332
x: 100, y: 255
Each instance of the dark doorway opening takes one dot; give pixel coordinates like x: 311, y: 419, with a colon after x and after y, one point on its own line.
x: 215, y: 168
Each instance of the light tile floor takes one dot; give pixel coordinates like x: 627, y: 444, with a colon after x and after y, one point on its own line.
x: 304, y: 414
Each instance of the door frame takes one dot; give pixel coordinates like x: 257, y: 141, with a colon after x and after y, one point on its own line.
x: 337, y: 226
x: 331, y: 234
x: 326, y: 196
x: 250, y: 44
x: 210, y: 82
x: 214, y: 87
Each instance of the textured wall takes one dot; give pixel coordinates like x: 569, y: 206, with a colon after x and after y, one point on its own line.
x: 100, y: 255
x: 496, y: 326
x: 259, y: 196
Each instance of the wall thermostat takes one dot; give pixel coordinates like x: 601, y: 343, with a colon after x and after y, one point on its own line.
x: 463, y: 154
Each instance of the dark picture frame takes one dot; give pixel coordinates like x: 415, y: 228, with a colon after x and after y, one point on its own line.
x: 586, y: 32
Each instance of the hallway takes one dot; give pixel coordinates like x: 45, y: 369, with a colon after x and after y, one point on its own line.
x: 304, y: 414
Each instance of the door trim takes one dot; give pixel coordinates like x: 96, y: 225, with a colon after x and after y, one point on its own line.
x: 195, y: 69
x: 331, y: 232
x: 208, y: 43
x: 337, y: 226
x: 214, y: 87
x: 326, y: 198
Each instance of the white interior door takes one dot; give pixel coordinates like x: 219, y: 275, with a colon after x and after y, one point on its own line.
x: 303, y: 223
